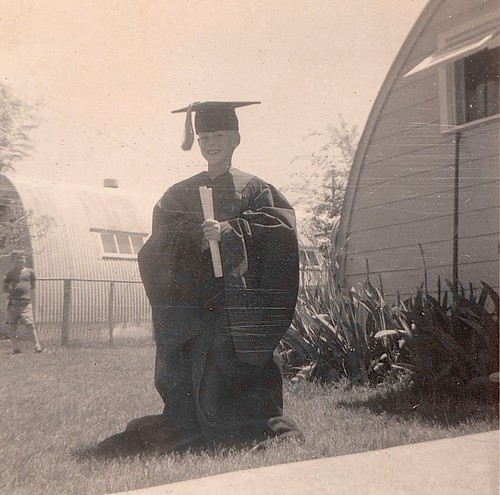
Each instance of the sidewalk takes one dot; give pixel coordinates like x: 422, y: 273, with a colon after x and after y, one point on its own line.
x: 467, y: 465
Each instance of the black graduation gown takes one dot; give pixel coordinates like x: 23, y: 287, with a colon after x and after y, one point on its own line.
x: 215, y: 368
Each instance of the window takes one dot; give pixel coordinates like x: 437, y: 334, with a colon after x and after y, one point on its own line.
x: 308, y: 257
x: 312, y: 258
x: 468, y: 63
x: 477, y: 79
x: 137, y: 242
x: 124, y: 244
x: 108, y: 243
x: 120, y: 244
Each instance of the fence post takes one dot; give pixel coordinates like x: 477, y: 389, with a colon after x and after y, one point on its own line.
x: 111, y: 303
x: 66, y: 312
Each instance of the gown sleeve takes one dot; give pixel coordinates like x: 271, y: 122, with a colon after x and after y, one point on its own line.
x: 261, y: 273
x: 170, y: 261
x: 259, y: 247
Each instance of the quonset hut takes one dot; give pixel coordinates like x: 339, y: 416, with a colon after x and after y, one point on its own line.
x: 424, y: 182
x: 83, y: 244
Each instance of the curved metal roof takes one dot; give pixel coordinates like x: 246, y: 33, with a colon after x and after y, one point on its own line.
x: 373, y: 117
x: 71, y: 248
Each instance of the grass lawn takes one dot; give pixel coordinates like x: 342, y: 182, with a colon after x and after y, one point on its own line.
x: 56, y: 405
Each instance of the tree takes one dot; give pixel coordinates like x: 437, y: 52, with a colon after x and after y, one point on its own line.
x: 17, y: 226
x: 18, y: 229
x: 321, y: 186
x: 17, y: 120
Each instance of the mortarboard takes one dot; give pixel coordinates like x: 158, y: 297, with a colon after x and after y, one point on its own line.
x: 210, y: 116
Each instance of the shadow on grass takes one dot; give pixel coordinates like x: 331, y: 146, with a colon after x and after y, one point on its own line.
x: 145, y: 436
x: 436, y: 408
x: 153, y: 436
x: 121, y: 447
x: 128, y: 451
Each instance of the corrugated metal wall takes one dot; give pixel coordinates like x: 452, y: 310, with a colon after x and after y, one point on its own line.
x: 402, y: 188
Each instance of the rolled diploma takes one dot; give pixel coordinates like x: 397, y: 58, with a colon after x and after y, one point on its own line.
x: 208, y: 212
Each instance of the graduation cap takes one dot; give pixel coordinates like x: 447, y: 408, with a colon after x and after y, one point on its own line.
x: 210, y: 116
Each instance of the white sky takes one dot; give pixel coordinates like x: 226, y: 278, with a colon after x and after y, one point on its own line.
x: 108, y: 73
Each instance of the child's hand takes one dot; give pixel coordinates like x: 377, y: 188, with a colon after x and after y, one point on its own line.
x: 211, y: 230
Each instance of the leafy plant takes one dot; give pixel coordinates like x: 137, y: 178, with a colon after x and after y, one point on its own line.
x: 453, y: 342
x: 446, y: 344
x: 333, y: 332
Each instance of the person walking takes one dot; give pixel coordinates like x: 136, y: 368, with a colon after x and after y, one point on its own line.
x: 19, y: 283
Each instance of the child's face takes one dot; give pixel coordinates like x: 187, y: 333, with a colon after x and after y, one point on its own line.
x: 217, y: 147
x: 20, y: 259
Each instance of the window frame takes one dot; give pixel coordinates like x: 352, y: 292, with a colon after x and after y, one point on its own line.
x: 114, y: 233
x: 448, y: 84
x: 310, y: 254
x: 305, y: 259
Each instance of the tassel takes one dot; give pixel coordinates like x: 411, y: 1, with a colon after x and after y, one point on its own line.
x: 188, y: 138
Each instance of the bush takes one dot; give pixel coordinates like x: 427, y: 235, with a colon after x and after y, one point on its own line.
x: 453, y: 342
x: 333, y: 334
x: 446, y: 344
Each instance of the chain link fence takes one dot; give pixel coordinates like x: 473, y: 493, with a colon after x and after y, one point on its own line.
x: 83, y: 310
